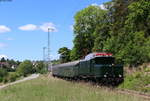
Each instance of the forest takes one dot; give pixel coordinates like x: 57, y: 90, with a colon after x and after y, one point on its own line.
x: 121, y: 28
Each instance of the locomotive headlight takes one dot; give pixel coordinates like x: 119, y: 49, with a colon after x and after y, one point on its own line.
x: 120, y: 75
x: 105, y: 76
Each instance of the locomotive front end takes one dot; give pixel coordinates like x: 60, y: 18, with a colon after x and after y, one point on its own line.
x: 103, y: 67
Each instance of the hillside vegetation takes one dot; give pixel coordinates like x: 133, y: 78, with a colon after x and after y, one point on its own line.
x: 11, y: 70
x: 138, y: 80
x: 52, y: 89
x: 122, y: 28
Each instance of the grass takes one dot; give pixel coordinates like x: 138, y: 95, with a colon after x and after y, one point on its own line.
x: 139, y: 81
x: 47, y: 88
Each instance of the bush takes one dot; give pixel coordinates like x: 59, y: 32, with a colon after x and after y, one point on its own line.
x: 5, y: 80
x: 1, y: 79
x: 3, y: 73
x: 43, y: 71
x: 40, y: 67
x: 25, y: 68
x: 137, y: 81
x: 147, y: 69
x: 12, y: 77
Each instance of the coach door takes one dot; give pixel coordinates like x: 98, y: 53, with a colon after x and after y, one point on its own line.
x: 92, y: 62
x: 88, y: 66
x: 84, y: 68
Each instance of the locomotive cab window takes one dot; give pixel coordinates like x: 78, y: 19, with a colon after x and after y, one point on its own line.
x: 104, y: 60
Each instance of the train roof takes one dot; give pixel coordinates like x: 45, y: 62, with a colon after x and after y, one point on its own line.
x: 97, y: 54
x: 67, y: 64
x: 88, y: 57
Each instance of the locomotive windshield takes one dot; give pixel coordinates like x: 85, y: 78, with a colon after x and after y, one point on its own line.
x: 104, y: 60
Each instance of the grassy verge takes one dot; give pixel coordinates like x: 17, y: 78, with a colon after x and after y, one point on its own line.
x: 139, y: 81
x: 49, y: 89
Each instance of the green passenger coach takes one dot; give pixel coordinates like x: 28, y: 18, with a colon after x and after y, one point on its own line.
x: 100, y: 66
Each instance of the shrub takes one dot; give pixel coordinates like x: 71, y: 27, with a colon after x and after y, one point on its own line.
x: 40, y: 67
x: 137, y: 81
x: 12, y: 77
x: 43, y: 71
x: 25, y: 68
x: 1, y: 79
x: 3, y: 73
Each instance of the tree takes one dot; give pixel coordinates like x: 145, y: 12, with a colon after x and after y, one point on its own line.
x: 86, y: 22
x: 138, y: 27
x: 40, y: 67
x: 54, y: 62
x: 3, y: 59
x: 25, y: 68
x: 102, y: 33
x: 130, y: 31
x: 139, y: 16
x: 123, y: 29
x: 64, y: 54
x: 3, y: 73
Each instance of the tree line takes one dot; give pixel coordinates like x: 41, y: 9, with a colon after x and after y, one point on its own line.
x: 10, y: 70
x: 122, y: 28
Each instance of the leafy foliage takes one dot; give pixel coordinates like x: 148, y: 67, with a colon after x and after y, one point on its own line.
x: 25, y: 68
x: 3, y: 60
x: 123, y: 29
x: 87, y: 21
x: 54, y: 62
x: 139, y: 81
x: 40, y: 67
x: 64, y: 54
x: 3, y: 73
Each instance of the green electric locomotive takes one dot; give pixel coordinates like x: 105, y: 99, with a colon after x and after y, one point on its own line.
x: 99, y: 66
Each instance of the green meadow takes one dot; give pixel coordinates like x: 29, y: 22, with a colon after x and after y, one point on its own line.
x: 47, y: 88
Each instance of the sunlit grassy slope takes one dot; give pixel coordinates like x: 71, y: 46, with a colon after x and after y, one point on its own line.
x: 139, y: 80
x: 47, y: 88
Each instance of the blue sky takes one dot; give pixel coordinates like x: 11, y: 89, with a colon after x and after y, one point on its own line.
x: 23, y: 25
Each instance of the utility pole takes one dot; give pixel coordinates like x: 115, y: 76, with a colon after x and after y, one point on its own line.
x: 44, y: 57
x: 44, y: 48
x: 49, y: 59
x: 48, y: 50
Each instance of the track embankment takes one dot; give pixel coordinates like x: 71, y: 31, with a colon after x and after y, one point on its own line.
x: 33, y: 76
x: 117, y: 90
x: 135, y: 93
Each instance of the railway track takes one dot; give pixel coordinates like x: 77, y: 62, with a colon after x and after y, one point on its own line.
x: 135, y: 93
x: 118, y: 90
x: 112, y: 88
x: 127, y: 92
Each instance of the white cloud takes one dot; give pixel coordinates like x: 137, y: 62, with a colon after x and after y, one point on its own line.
x: 94, y: 4
x: 47, y: 26
x: 71, y: 27
x: 28, y: 27
x: 102, y: 6
x: 9, y: 39
x: 53, y: 57
x: 4, y: 29
x: 2, y: 45
x: 3, y: 56
x: 44, y: 27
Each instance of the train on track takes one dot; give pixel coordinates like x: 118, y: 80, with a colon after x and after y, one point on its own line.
x: 95, y: 66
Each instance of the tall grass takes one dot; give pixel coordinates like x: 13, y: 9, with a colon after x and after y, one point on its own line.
x: 47, y: 88
x: 139, y: 80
